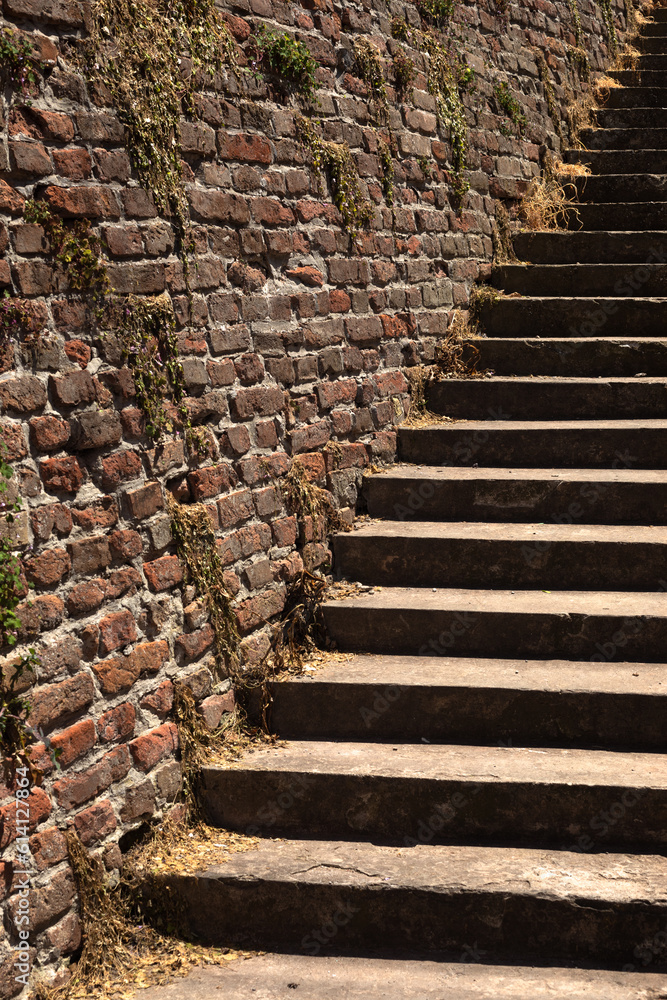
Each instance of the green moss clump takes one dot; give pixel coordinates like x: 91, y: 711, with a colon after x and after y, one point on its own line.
x: 508, y: 104
x: 288, y: 60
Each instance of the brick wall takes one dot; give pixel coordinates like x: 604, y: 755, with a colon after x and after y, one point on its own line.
x: 296, y: 341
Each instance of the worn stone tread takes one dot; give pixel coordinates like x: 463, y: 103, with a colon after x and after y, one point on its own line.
x: 511, y: 532
x: 337, y: 977
x: 418, y: 472
x: 569, y: 356
x: 558, y: 676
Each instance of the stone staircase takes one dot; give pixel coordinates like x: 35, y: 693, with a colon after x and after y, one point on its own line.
x: 484, y: 784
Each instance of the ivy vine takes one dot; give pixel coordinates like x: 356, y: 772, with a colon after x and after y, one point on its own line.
x: 287, y: 60
x: 18, y: 68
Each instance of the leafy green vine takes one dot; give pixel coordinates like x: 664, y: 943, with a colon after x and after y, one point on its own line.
x: 608, y: 18
x: 18, y: 68
x: 147, y: 333
x: 448, y: 75
x: 369, y: 67
x: 387, y: 166
x: 549, y: 95
x: 508, y: 104
x: 334, y: 160
x: 288, y: 60
x: 198, y: 552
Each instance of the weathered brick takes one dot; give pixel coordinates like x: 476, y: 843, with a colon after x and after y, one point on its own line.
x: 119, y: 468
x: 49, y: 433
x: 285, y: 531
x: 260, y: 401
x: 163, y: 573
x: 145, y: 501
x: 195, y: 644
x: 73, y: 163
x: 102, y: 513
x: 61, y: 475
x: 209, y: 482
x: 29, y: 158
x: 151, y: 747
x: 52, y: 703
x: 235, y: 508
x: 117, y: 723
x: 83, y: 202
x: 48, y: 567
x: 64, y: 655
x: 260, y: 608
x: 90, y: 554
x: 216, y: 206
x: 126, y: 544
x: 96, y: 429
x: 95, y: 823
x: 139, y: 802
x: 161, y: 700
x: 245, y: 148
x: 73, y: 389
x: 312, y: 436
x: 86, y: 597
x: 76, y: 789
x: 23, y: 393
x: 48, y: 902
x: 48, y: 848
x: 75, y: 742
x: 117, y: 630
x: 39, y: 807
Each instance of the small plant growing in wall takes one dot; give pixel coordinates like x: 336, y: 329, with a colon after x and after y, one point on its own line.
x: 400, y: 29
x: 436, y: 12
x: 387, y: 166
x: 18, y: 68
x: 508, y: 105
x: 288, y: 61
x: 369, y: 67
x: 404, y: 72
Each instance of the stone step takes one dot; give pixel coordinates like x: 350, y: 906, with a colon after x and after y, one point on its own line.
x: 618, y: 216
x: 651, y: 78
x: 624, y: 138
x: 502, y: 442
x: 545, y: 398
x: 605, y: 625
x: 560, y: 316
x: 444, y: 699
x: 565, y: 496
x: 580, y: 280
x: 632, y: 96
x: 623, y: 118
x: 617, y: 187
x: 390, y: 791
x: 542, y: 904
x: 654, y: 29
x: 653, y: 41
x: 569, y: 556
x: 563, y: 247
x: 652, y: 61
x: 585, y: 356
x: 454, y: 977
x: 620, y: 161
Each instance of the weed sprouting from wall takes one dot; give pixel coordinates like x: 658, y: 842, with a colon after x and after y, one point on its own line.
x: 136, y: 51
x: 19, y: 69
x: 334, y: 161
x: 448, y: 75
x: 503, y: 247
x: 436, y: 12
x: 288, y: 61
x: 198, y: 552
x: 508, y: 105
x: 608, y: 18
x: 387, y: 166
x: 404, y: 72
x: 146, y: 329
x: 368, y: 64
x: 549, y: 95
x: 304, y: 498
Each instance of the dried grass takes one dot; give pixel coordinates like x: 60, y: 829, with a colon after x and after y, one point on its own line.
x: 571, y: 169
x: 548, y: 204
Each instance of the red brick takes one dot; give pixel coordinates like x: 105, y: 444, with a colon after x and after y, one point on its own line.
x: 61, y: 475
x: 73, y: 163
x: 24, y: 393
x: 101, y: 513
x: 11, y: 201
x: 125, y: 544
x: 260, y: 401
x: 78, y: 788
x: 154, y: 746
x: 249, y: 368
x: 124, y: 581
x: 235, y: 508
x: 139, y: 802
x: 332, y: 394
x: 313, y: 436
x: 96, y: 429
x: 163, y: 573
x: 391, y: 383
x: 30, y: 158
x: 117, y: 724
x: 161, y: 700
x: 75, y: 742
x: 49, y: 433
x: 48, y: 567
x: 117, y: 630
x: 266, y: 434
x: 83, y: 202
x: 65, y: 936
x: 39, y: 807
x: 40, y: 614
x: 256, y: 610
x: 314, y: 467
x: 86, y: 597
x: 117, y: 675
x: 96, y: 822
x: 48, y: 848
x: 11, y: 436
x: 74, y: 388
x: 257, y: 469
x: 150, y: 656
x: 119, y: 468
x: 209, y: 482
x: 112, y: 164
x: 34, y: 277
x: 64, y: 655
x: 145, y: 501
x: 216, y: 206
x: 306, y: 275
x: 236, y: 439
x: 54, y: 702
x: 90, y: 554
x: 245, y: 148
x: 271, y: 212
x: 214, y: 707
x: 52, y: 125
x: 221, y: 373
x: 285, y: 531
x: 194, y: 644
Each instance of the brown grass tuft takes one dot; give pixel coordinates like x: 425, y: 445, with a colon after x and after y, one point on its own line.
x: 548, y: 204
